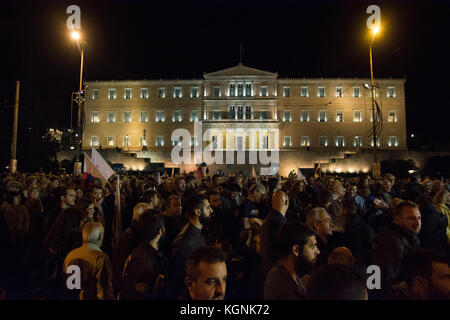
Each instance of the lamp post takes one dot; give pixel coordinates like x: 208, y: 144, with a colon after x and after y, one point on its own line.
x: 376, y: 170
x: 79, y: 99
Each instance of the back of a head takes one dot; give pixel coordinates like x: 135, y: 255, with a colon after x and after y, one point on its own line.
x: 139, y: 209
x: 149, y: 224
x: 93, y: 233
x: 335, y: 282
x: 257, y: 187
x: 325, y: 197
x: 279, y: 200
x: 290, y: 234
x: 342, y: 256
x: 349, y: 205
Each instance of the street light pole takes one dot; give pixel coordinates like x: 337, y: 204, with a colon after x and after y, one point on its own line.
x: 376, y: 166
x: 79, y: 100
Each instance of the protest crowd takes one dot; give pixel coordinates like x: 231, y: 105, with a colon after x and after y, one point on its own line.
x: 198, y: 236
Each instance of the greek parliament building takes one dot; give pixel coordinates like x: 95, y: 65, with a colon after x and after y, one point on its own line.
x: 308, y: 121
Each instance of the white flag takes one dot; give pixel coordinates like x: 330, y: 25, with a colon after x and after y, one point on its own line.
x: 101, y: 164
x: 159, y: 178
x: 91, y: 168
x: 300, y: 176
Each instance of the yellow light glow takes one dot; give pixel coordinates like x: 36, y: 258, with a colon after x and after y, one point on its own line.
x: 375, y: 30
x: 76, y: 35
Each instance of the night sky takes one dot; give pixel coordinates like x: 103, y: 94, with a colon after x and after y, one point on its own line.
x: 183, y: 39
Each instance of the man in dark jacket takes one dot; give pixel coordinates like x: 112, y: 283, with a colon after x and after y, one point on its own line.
x: 433, y: 234
x: 392, y: 244
x: 298, y: 251
x: 358, y: 235
x: 145, y: 270
x: 190, y: 238
x: 273, y: 222
x: 413, y: 189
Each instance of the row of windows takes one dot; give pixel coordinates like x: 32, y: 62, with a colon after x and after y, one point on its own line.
x: 160, y: 116
x: 234, y: 112
x: 322, y: 116
x: 304, y: 142
x: 340, y: 92
x: 238, y: 90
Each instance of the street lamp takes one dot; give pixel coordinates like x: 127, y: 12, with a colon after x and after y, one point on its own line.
x: 375, y: 30
x: 79, y: 99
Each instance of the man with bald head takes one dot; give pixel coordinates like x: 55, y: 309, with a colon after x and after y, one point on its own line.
x: 268, y: 232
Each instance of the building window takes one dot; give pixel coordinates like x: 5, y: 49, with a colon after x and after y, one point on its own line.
x: 392, y: 117
x: 127, y: 116
x: 240, y: 112
x: 177, y: 116
x: 144, y: 93
x: 357, y: 116
x: 287, y: 116
x: 144, y: 117
x: 339, y: 92
x: 110, y: 141
x: 126, y: 141
x: 112, y: 94
x: 323, y: 141
x: 142, y: 142
x: 177, y: 92
x: 356, y: 92
x: 176, y: 141
x: 127, y: 93
x: 159, y: 141
x: 391, y: 92
x: 240, y: 90
x: 357, y: 142
x: 161, y: 92
x: 194, y: 116
x: 248, y: 90
x: 304, y: 92
x: 194, y: 92
x: 304, y: 116
x: 94, y: 141
x: 305, y: 141
x: 232, y: 90
x: 95, y: 94
x: 322, y: 116
x: 217, y: 92
x: 287, y: 141
x: 264, y: 142
x: 214, y: 142
x: 378, y: 142
x: 340, y: 141
x: 95, y: 117
x: 111, y: 116
x: 231, y: 112
x: 393, y: 141
x: 377, y: 114
x: 263, y: 91
x: 248, y: 112
x: 160, y: 117
x: 339, y: 116
x: 321, y: 92
x: 286, y: 92
x: 215, y: 115
x: 264, y: 115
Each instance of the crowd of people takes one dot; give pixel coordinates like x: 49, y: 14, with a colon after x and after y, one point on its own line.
x: 224, y: 237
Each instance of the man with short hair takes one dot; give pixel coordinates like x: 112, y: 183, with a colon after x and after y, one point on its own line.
x: 151, y: 197
x: 214, y: 230
x: 206, y: 274
x: 352, y: 190
x: 96, y: 195
x: 67, y: 200
x: 392, y: 244
x: 298, y: 251
x: 427, y: 277
x: 173, y: 222
x: 145, y: 270
x: 190, y: 238
x: 319, y: 221
x: 95, y: 266
x: 335, y: 209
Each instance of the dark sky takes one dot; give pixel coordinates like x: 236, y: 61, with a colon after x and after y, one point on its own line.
x: 182, y: 39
